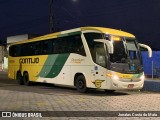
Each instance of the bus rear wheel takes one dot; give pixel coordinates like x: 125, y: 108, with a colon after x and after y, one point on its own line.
x: 26, y: 79
x: 19, y: 78
x: 81, y: 84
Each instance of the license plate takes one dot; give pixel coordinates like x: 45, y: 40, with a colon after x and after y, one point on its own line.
x: 130, y: 85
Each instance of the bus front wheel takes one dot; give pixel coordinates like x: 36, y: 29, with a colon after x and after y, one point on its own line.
x: 26, y: 79
x: 81, y: 84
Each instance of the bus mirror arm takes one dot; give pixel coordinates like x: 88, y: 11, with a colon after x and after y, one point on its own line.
x: 148, y: 48
x: 108, y: 43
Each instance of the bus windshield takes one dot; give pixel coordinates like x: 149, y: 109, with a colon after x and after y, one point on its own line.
x: 124, y: 50
x: 126, y: 57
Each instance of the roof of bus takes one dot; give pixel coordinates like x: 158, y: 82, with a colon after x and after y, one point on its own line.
x: 57, y: 34
x: 109, y: 31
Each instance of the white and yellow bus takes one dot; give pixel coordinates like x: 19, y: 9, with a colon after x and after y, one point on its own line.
x: 85, y: 57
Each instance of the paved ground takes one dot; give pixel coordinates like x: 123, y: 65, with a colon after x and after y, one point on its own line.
x: 45, y: 97
x: 152, y: 85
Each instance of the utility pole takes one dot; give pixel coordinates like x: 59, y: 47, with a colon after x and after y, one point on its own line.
x: 51, y: 16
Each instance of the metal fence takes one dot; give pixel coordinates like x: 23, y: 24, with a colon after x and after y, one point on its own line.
x: 155, y: 69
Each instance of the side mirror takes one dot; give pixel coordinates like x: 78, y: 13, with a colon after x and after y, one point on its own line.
x: 108, y: 43
x: 148, y: 48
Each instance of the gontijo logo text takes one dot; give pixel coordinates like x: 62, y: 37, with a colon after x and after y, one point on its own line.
x: 29, y: 60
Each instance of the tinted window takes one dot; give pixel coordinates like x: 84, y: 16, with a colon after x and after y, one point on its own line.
x: 69, y: 44
x: 62, y: 45
x: 97, y: 49
x: 12, y: 50
x: 47, y: 47
x: 90, y: 37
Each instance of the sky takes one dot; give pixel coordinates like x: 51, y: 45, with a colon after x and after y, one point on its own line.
x: 139, y: 17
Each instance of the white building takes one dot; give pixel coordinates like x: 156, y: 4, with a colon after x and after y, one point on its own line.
x: 1, y: 56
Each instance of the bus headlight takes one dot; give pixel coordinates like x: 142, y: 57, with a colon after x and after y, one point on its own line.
x: 142, y: 77
x: 115, y: 77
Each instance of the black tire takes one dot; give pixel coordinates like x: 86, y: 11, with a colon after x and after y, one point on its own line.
x: 109, y: 91
x: 80, y: 84
x: 26, y: 79
x: 19, y: 78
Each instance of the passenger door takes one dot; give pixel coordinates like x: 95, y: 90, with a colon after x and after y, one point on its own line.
x: 100, y: 68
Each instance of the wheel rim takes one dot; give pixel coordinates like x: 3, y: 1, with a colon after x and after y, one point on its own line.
x: 80, y: 84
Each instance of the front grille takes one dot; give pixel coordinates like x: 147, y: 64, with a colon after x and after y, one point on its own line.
x: 130, y: 80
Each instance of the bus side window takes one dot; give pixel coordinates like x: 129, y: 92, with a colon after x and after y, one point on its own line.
x: 15, y: 50
x: 46, y: 47
x: 58, y: 45
x: 27, y: 49
x: 53, y: 46
x: 75, y: 45
x: 37, y: 48
x: 50, y: 46
x: 18, y: 50
x: 79, y: 46
x: 12, y: 51
x: 63, y: 45
x: 31, y: 49
x: 24, y: 50
x: 69, y: 44
x: 100, y: 55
